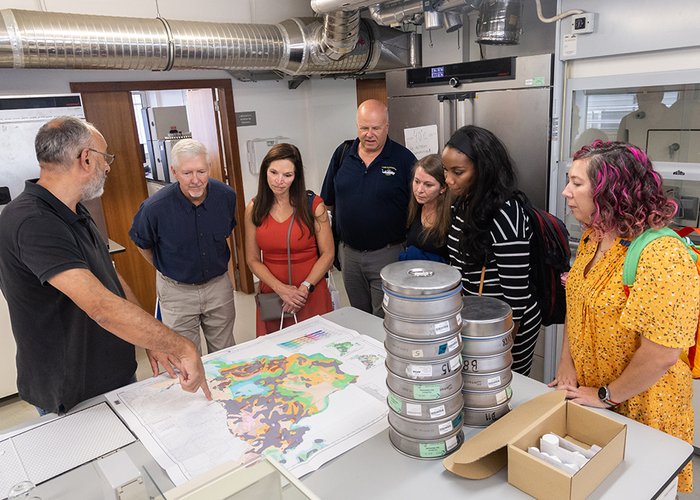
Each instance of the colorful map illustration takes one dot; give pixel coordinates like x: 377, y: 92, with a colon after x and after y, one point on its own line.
x: 295, y: 396
x: 266, y: 398
x: 343, y: 347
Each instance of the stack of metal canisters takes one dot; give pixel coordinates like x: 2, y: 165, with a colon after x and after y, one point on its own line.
x: 422, y: 318
x: 487, y: 327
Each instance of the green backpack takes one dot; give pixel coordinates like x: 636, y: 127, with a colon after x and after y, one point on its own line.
x: 629, y: 274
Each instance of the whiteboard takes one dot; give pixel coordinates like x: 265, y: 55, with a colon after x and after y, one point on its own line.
x: 18, y: 127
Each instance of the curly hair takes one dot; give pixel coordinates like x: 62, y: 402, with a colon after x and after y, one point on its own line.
x: 297, y: 191
x: 627, y: 193
x: 494, y: 183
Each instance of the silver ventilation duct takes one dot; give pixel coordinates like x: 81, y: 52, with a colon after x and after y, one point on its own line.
x: 32, y: 39
x: 433, y: 20
x: 453, y: 21
x: 499, y: 22
x: 328, y: 6
x: 465, y: 5
x: 340, y: 32
x: 390, y: 15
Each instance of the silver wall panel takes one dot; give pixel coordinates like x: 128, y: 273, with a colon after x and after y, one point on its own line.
x: 520, y: 118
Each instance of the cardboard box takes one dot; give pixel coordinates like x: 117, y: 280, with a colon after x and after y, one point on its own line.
x: 506, y: 442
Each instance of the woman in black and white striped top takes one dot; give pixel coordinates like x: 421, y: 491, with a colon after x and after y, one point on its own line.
x: 489, y: 229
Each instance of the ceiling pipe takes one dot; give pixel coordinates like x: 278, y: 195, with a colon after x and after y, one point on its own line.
x: 433, y: 20
x: 453, y: 21
x: 340, y: 33
x: 499, y: 22
x: 328, y: 6
x: 391, y: 15
x: 443, y: 5
x: 33, y: 39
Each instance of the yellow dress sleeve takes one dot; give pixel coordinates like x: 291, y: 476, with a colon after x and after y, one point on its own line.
x: 664, y: 301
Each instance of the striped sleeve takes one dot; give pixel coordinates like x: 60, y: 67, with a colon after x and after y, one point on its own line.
x: 510, y: 236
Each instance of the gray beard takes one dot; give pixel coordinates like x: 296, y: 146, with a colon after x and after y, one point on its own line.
x: 95, y: 188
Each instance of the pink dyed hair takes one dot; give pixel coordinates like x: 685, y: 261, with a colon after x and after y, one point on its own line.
x: 627, y: 192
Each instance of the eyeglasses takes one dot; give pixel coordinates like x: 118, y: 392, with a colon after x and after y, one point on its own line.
x: 109, y: 158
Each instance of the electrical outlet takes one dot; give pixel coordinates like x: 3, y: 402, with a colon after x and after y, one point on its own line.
x: 583, y: 23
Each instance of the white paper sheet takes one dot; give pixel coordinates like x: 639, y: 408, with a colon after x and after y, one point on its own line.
x: 422, y: 141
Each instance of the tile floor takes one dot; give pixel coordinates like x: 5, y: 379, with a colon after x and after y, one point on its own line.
x: 14, y: 412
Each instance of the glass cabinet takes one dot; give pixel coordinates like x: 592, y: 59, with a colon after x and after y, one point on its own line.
x: 661, y: 116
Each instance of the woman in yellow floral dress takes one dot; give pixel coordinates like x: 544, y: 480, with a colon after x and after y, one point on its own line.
x: 622, y: 352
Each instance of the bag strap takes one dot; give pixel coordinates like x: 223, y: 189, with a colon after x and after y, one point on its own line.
x: 335, y: 166
x: 346, y: 146
x: 634, y: 252
x: 289, y: 262
x: 481, y: 281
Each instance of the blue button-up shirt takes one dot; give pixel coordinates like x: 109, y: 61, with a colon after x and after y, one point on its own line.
x: 188, y: 242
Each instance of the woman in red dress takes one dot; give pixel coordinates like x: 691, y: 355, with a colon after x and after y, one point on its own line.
x: 282, y: 200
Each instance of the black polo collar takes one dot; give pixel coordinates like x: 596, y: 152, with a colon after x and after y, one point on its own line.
x: 385, y: 152
x: 61, y: 209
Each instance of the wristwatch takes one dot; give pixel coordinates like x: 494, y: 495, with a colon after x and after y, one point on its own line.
x: 604, y: 396
x: 308, y: 285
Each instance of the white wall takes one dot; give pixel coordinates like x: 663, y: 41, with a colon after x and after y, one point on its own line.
x: 633, y: 26
x: 317, y: 116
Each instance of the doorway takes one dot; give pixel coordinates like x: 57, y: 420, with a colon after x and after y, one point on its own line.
x: 109, y: 106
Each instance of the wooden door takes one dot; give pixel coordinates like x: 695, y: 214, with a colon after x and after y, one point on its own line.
x: 371, y: 88
x: 212, y: 91
x: 113, y: 115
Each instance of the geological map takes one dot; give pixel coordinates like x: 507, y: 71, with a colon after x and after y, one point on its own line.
x: 301, y: 396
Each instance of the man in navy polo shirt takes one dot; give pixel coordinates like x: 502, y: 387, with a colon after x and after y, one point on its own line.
x: 182, y: 231
x: 368, y: 183
x: 73, y: 327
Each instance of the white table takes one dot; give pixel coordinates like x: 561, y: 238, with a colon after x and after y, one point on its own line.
x: 375, y: 470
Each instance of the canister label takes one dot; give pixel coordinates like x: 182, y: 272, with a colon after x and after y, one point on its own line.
x: 504, y: 395
x: 501, y: 397
x: 431, y: 450
x: 451, y: 442
x: 417, y: 353
x: 442, y: 327
x: 444, y: 428
x: 394, y: 403
x: 453, y: 344
x: 413, y: 410
x: 455, y: 363
x: 437, y: 411
x: 419, y: 371
x: 493, y: 381
x: 426, y: 391
x: 459, y: 319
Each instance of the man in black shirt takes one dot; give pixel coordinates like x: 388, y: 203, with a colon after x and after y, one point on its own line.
x: 368, y: 182
x: 71, y: 321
